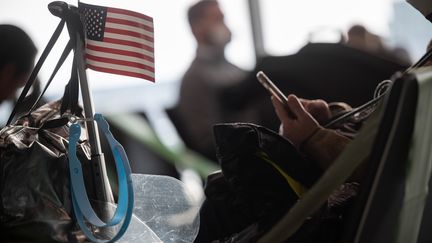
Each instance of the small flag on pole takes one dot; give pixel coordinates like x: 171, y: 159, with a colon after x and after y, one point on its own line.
x: 118, y: 41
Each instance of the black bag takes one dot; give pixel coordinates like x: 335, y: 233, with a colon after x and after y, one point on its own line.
x: 35, y: 201
x: 262, y: 176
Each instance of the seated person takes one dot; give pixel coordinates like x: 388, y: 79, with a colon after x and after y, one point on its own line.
x: 307, y: 132
x: 303, y: 125
x: 306, y: 129
x: 17, y: 53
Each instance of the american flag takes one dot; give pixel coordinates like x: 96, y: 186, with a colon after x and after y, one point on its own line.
x: 118, y: 41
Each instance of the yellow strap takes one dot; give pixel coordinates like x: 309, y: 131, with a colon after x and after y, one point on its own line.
x: 298, y: 188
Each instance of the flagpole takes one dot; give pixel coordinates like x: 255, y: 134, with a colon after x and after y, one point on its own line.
x: 102, y: 186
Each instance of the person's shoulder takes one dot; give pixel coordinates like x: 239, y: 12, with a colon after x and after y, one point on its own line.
x: 192, y: 74
x: 235, y: 67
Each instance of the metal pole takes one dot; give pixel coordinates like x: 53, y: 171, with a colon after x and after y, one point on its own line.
x: 257, y: 32
x: 101, y: 182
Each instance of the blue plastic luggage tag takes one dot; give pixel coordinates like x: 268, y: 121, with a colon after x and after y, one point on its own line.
x: 81, y: 204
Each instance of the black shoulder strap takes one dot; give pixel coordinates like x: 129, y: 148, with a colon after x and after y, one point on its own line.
x: 60, y: 62
x: 36, y: 69
x: 70, y: 95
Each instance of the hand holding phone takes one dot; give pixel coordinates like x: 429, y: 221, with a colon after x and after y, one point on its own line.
x: 274, y: 90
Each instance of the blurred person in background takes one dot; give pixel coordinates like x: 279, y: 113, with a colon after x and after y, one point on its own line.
x: 210, y: 72
x: 17, y: 54
x: 359, y: 37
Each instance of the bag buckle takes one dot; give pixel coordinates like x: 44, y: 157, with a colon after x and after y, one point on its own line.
x: 75, y: 119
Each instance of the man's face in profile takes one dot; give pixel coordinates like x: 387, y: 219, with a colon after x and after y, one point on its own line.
x: 215, y: 31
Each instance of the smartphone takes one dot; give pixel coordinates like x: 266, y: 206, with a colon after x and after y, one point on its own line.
x: 271, y: 87
x: 274, y: 90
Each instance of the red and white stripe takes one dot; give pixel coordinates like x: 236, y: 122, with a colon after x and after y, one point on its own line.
x: 127, y: 47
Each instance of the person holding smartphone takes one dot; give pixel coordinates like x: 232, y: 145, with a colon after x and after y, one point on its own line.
x: 305, y: 129
x: 303, y: 120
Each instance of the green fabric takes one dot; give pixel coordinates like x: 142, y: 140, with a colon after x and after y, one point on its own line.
x: 419, y: 162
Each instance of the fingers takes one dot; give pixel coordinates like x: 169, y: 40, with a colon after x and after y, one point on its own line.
x: 281, y: 112
x: 294, y: 110
x: 305, y: 102
x: 296, y: 106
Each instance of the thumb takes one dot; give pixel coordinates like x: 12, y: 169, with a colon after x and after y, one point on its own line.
x: 296, y: 106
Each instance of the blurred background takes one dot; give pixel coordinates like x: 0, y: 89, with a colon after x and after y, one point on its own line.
x: 259, y: 29
x: 285, y: 25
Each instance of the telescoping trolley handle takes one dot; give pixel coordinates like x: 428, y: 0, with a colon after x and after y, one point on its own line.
x: 100, y: 179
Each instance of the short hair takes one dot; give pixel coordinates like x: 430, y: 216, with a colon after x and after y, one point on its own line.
x: 358, y: 30
x: 197, y: 11
x: 16, y: 47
